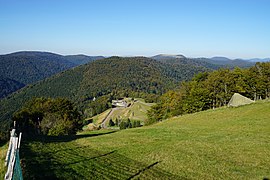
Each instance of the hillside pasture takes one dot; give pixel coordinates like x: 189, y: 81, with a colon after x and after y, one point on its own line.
x: 225, y: 143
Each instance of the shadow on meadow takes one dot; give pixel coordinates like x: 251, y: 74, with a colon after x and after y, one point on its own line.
x: 58, y: 158
x: 66, y: 138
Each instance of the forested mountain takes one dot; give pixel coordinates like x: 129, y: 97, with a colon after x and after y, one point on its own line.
x: 259, y: 60
x: 213, y: 63
x: 184, y: 62
x: 104, y: 79
x: 26, y: 67
x: 7, y: 86
x: 229, y: 62
x: 168, y: 56
x: 82, y: 59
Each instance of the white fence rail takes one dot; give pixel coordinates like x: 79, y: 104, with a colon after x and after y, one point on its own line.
x: 12, y: 160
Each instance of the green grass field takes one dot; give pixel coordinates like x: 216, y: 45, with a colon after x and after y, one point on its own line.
x: 3, y: 151
x: 226, y: 143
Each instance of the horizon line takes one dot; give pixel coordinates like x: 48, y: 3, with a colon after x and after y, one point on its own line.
x: 165, y: 54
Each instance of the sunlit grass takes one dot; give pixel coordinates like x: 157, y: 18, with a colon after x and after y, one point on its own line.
x: 227, y: 143
x: 3, y: 151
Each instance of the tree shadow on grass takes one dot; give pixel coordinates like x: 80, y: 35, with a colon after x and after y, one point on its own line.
x: 69, y: 161
x: 66, y: 138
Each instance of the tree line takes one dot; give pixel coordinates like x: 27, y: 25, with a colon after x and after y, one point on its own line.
x: 48, y: 116
x: 212, y: 90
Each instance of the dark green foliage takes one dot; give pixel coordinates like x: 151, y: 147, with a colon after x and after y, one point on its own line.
x: 214, y: 63
x: 212, y: 90
x: 82, y: 59
x: 111, y: 123
x: 48, y: 116
x: 124, y: 124
x: 8, y: 86
x: 22, y: 68
x: 129, y: 125
x: 30, y: 67
x: 116, y: 122
x: 136, y: 124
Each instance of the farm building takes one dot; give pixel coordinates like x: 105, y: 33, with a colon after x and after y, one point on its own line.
x: 119, y: 103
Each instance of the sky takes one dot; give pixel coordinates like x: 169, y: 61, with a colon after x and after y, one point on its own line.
x: 194, y: 28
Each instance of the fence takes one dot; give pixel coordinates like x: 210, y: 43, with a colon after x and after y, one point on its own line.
x: 12, y: 161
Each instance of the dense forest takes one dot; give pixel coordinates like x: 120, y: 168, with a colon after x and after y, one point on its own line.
x: 212, y: 63
x: 26, y: 67
x: 8, y: 86
x: 104, y: 79
x: 213, y: 89
x: 82, y: 59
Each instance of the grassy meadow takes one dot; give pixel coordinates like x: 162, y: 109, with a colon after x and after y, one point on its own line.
x: 225, y: 143
x: 3, y: 152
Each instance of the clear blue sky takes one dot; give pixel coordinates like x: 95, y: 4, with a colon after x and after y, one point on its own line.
x: 232, y: 28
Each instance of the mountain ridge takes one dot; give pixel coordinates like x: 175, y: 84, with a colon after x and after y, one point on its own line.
x: 27, y: 67
x: 104, y: 78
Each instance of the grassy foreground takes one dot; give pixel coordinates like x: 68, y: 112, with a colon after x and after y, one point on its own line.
x: 3, y: 152
x: 227, y: 143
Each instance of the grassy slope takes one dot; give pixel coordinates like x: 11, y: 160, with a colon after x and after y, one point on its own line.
x: 99, y: 118
x: 229, y: 143
x: 137, y: 111
x: 3, y: 151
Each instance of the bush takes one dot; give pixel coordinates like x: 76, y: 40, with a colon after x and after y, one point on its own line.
x: 111, y: 123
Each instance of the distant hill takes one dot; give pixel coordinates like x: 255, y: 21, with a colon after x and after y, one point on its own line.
x: 167, y: 56
x: 116, y: 75
x: 29, y: 66
x: 219, y: 58
x: 212, y: 63
x: 26, y: 67
x: 235, y: 61
x: 82, y: 59
x: 259, y: 60
x: 226, y: 62
x: 183, y: 62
